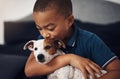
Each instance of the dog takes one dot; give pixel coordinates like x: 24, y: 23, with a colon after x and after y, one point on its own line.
x: 45, y: 50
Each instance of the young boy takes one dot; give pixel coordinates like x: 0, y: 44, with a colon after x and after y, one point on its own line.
x: 54, y: 20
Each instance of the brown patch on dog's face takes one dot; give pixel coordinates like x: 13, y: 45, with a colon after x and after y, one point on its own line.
x: 51, y: 46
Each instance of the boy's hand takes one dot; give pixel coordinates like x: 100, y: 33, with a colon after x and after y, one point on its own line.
x: 85, y: 65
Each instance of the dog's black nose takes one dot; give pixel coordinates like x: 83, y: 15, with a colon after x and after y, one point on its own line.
x: 41, y: 57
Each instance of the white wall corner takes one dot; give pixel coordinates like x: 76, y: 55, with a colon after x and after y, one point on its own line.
x: 1, y: 33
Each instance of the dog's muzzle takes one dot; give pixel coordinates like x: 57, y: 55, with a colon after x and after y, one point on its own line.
x: 41, y: 58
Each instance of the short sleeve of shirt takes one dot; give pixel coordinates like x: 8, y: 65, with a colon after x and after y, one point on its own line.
x: 100, y: 52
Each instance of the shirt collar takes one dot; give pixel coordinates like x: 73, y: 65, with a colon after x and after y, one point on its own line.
x: 73, y: 39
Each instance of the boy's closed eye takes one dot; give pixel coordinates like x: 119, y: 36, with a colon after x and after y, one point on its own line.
x: 49, y: 27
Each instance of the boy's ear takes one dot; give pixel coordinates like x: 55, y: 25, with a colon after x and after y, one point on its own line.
x: 29, y: 45
x: 59, y: 44
x: 70, y: 20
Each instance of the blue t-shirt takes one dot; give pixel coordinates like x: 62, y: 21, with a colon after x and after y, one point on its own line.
x: 89, y: 45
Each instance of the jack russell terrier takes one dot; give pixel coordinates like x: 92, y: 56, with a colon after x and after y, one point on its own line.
x: 45, y: 50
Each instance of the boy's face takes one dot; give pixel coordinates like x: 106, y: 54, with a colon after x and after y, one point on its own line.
x: 52, y: 25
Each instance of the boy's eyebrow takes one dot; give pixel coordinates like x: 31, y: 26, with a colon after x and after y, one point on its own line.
x: 48, y: 24
x: 45, y: 25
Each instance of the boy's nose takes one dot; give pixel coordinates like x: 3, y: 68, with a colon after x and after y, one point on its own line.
x: 46, y: 35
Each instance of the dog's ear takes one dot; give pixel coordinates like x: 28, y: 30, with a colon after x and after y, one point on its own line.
x: 29, y: 45
x: 59, y: 44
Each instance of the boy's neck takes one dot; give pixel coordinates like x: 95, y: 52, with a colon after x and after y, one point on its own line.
x: 69, y: 34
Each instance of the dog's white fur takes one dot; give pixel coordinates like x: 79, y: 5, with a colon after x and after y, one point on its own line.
x: 67, y: 72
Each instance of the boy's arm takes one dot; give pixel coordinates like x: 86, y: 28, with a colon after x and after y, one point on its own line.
x: 113, y: 69
x: 33, y: 68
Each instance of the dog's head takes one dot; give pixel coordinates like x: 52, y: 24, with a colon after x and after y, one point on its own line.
x: 45, y: 49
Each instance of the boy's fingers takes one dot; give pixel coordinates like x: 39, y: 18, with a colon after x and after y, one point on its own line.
x: 91, y: 72
x: 96, y: 68
x: 84, y: 72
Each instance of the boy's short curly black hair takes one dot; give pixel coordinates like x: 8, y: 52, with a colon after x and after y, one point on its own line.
x: 63, y: 7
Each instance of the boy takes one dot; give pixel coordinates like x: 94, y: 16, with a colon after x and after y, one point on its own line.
x: 54, y: 20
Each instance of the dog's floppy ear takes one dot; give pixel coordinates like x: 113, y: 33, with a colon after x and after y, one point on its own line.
x: 29, y: 45
x: 59, y: 44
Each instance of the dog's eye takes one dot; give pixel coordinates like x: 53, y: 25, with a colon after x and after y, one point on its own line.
x: 47, y: 47
x: 35, y: 48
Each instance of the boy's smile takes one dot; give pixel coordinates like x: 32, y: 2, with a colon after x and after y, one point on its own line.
x: 53, y: 25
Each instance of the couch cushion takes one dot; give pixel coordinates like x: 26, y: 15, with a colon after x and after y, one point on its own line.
x: 19, y: 32
x: 11, y: 66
